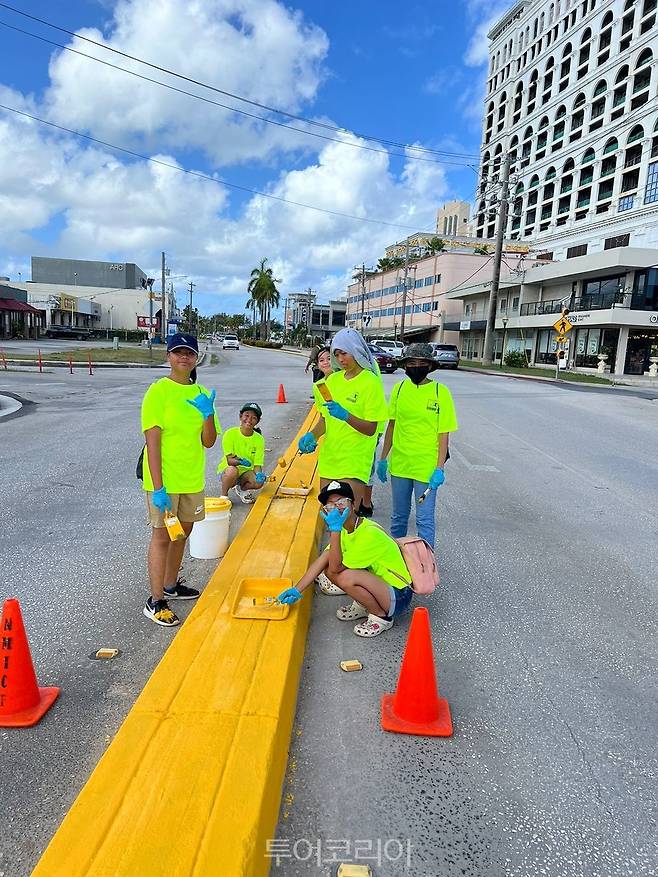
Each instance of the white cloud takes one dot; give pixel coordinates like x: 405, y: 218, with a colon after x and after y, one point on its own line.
x: 256, y: 48
x: 63, y: 196
x: 486, y: 14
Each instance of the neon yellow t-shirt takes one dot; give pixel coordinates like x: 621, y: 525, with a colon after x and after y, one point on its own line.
x: 421, y: 414
x: 369, y: 547
x: 183, y: 455
x: 251, y: 447
x: 346, y: 453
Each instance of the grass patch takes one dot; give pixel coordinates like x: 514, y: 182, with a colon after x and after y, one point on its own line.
x: 98, y: 354
x: 214, y: 359
x: 576, y: 377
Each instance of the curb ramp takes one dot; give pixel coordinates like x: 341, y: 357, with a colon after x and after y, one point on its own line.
x: 192, y: 782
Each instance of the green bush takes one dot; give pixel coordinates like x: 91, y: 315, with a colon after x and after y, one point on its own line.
x: 515, y: 359
x: 275, y: 345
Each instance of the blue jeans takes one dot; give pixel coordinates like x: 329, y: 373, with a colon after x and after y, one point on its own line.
x: 402, y: 490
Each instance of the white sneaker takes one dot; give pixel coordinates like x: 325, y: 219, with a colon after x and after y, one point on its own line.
x: 245, y: 496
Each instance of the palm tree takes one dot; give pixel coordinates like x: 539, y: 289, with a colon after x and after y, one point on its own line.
x: 435, y: 245
x: 263, y: 293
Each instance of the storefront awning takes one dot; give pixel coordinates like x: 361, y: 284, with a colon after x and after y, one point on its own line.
x: 10, y: 304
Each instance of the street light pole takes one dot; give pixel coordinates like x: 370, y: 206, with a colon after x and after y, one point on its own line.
x: 192, y: 285
x: 404, y: 291
x: 163, y: 320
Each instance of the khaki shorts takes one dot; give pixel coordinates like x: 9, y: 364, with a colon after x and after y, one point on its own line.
x: 189, y: 507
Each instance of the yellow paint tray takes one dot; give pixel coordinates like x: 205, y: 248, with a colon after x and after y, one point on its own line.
x: 256, y: 589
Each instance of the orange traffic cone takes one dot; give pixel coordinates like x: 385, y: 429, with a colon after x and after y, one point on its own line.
x: 416, y: 707
x: 22, y: 702
x: 282, y: 394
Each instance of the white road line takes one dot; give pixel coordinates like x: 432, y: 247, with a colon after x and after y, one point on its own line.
x: 475, y: 467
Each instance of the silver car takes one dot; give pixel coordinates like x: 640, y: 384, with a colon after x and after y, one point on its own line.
x: 446, y: 355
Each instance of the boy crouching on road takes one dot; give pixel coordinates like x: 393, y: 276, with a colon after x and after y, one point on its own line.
x: 362, y: 560
x: 244, y: 455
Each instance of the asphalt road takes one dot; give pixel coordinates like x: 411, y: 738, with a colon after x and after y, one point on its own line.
x: 544, y: 633
x: 73, y: 537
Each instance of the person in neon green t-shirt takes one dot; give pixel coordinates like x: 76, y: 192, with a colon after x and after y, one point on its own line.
x: 241, y: 467
x: 421, y: 416
x: 363, y: 561
x: 179, y: 422
x: 349, y: 421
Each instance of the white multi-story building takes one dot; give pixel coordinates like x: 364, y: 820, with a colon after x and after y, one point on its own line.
x: 572, y: 96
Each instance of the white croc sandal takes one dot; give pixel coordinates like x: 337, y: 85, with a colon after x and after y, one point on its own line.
x: 352, y: 612
x: 372, y: 626
x: 327, y: 586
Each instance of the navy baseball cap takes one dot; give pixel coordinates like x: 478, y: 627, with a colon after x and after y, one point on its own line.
x: 182, y: 340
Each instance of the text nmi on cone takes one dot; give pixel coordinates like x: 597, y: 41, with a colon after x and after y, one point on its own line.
x: 22, y: 702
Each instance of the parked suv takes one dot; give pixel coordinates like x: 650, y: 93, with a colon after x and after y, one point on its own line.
x: 78, y: 332
x: 388, y: 345
x: 231, y: 342
x: 446, y: 355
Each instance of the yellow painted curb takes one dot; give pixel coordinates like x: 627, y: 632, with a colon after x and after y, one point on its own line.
x: 191, y: 784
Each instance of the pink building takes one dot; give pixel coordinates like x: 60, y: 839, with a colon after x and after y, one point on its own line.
x: 374, y: 303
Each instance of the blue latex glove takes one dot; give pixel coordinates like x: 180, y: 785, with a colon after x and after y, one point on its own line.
x: 161, y: 500
x: 289, y: 596
x: 437, y: 478
x: 205, y: 405
x: 382, y: 469
x: 243, y: 461
x: 335, y: 519
x: 307, y: 443
x: 336, y: 410
x: 261, y: 478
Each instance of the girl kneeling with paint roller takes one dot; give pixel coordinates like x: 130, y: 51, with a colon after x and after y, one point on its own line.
x: 421, y: 415
x: 363, y: 561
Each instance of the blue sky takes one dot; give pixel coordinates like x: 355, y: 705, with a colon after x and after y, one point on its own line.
x: 408, y: 73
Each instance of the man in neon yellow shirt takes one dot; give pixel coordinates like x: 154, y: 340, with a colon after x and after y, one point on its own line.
x: 363, y: 561
x: 421, y: 416
x: 241, y: 467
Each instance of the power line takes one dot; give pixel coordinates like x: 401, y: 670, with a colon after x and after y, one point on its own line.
x: 208, y: 100
x: 207, y: 177
x: 237, y: 97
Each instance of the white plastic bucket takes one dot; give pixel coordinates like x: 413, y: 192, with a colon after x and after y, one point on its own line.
x: 209, y: 538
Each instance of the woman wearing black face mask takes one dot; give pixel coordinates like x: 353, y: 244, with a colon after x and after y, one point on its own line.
x: 421, y: 415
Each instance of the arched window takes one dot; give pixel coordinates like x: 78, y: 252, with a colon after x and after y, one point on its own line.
x: 588, y: 157
x: 648, y: 6
x: 583, y: 55
x: 541, y: 23
x: 569, y: 165
x: 627, y: 23
x: 622, y: 75
x: 548, y: 79
x: 551, y: 13
x: 609, y: 163
x: 502, y: 109
x: 550, y: 174
x: 605, y: 39
x: 598, y: 106
x: 642, y: 79
x: 637, y: 133
x: 561, y: 112
x: 532, y: 90
x: 518, y: 100
x: 611, y: 146
x: 534, y: 182
x: 601, y: 88
x: 578, y: 112
x: 565, y: 66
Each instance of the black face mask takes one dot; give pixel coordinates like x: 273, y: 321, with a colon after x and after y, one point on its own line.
x: 417, y: 373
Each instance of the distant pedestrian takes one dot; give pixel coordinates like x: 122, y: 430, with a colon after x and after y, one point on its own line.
x: 312, y: 361
x: 362, y: 561
x: 241, y: 467
x: 421, y: 417
x: 350, y: 421
x: 179, y: 422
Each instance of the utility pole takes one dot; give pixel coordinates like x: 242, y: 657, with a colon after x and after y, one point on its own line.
x: 190, y: 330
x: 150, y: 332
x: 404, y: 290
x: 363, y: 293
x: 487, y: 357
x: 309, y: 291
x: 163, y: 318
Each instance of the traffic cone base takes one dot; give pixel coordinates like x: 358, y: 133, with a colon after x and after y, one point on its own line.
x: 282, y: 394
x: 441, y: 727
x: 29, y: 717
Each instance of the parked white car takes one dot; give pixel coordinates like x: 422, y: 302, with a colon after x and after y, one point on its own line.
x: 230, y: 342
x: 388, y: 345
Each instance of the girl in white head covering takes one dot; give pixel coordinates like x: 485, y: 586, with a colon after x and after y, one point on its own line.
x: 352, y: 342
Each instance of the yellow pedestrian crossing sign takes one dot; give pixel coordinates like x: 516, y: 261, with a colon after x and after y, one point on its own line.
x: 560, y: 339
x: 562, y: 326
